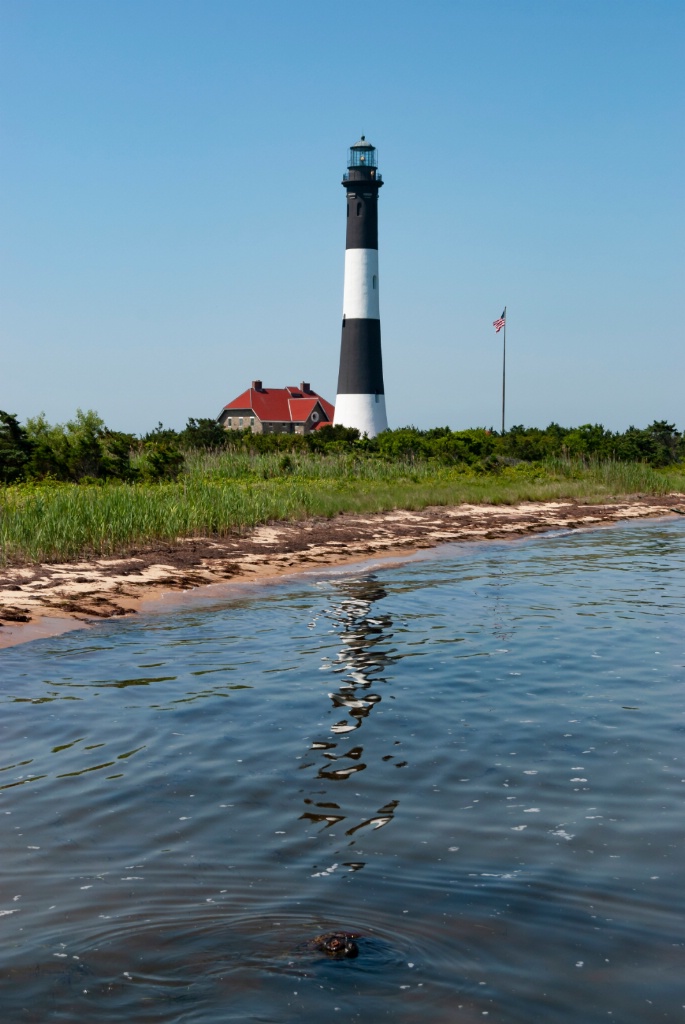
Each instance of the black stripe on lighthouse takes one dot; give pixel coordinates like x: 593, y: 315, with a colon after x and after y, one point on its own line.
x: 360, y: 400
x: 361, y: 363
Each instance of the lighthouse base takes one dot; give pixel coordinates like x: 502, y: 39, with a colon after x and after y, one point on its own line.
x: 364, y: 412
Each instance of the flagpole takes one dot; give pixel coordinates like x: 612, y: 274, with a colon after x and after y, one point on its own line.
x: 504, y: 363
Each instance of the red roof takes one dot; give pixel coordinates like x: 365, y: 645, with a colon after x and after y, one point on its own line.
x: 281, y: 405
x: 301, y: 408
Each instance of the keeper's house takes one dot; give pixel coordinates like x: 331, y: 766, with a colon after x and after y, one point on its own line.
x: 277, y: 410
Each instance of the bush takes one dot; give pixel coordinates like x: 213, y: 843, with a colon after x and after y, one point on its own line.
x: 161, y: 460
x: 204, y: 434
x: 79, y: 449
x: 15, y: 449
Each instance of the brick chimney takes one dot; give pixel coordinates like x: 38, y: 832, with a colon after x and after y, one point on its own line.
x: 257, y: 385
x: 305, y: 387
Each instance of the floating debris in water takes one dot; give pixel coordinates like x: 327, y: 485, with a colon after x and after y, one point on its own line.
x: 327, y: 871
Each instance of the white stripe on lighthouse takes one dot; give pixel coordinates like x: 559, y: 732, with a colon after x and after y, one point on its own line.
x: 360, y: 295
x: 365, y: 412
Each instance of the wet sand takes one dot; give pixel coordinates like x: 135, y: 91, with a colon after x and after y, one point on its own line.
x: 44, y: 600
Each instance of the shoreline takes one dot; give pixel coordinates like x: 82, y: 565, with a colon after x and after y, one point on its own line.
x: 37, y: 601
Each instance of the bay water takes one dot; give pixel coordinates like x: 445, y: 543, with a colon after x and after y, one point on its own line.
x: 473, y: 760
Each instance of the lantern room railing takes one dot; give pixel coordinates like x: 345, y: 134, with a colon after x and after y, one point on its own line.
x: 376, y: 177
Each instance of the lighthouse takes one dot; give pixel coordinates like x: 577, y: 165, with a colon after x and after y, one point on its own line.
x: 360, y: 401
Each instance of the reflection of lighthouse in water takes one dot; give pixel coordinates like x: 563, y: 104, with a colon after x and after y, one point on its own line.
x: 361, y: 663
x: 363, y: 656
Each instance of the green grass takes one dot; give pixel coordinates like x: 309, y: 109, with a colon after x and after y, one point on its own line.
x: 228, y: 492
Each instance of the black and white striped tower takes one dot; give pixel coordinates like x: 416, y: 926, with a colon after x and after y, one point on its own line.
x: 360, y: 401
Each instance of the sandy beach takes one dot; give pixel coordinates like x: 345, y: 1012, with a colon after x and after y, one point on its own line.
x: 43, y: 600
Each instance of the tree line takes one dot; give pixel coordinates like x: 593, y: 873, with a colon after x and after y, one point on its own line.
x: 85, y: 450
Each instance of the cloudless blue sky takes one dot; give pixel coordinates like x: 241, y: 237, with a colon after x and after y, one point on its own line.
x: 173, y: 223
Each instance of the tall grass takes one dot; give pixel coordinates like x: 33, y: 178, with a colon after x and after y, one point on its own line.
x: 304, y: 465
x: 228, y: 492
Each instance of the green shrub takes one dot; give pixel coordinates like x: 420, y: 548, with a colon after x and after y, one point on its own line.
x: 161, y: 460
x: 15, y: 449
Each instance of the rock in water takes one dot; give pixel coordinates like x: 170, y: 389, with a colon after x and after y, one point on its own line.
x: 337, y: 945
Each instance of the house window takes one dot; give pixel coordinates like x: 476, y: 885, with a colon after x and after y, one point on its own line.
x: 240, y: 421
x: 229, y: 421
x: 252, y: 421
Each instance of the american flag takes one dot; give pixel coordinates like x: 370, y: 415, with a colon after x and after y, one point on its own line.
x: 499, y: 324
